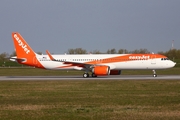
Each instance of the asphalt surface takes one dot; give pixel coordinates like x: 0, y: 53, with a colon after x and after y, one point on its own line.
x: 111, y: 77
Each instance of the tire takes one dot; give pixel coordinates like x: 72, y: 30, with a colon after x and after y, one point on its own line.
x: 85, y: 75
x: 154, y: 75
x: 93, y: 75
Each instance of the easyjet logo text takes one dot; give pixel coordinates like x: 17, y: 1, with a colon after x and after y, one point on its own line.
x: 139, y: 57
x: 24, y: 46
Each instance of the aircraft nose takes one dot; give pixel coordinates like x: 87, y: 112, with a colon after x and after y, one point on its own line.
x: 174, y: 64
x: 171, y: 64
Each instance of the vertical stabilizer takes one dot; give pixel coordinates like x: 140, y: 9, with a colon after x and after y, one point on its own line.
x: 25, y: 54
x: 23, y: 50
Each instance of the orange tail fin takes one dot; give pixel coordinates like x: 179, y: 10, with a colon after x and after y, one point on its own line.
x: 23, y: 50
x: 25, y: 54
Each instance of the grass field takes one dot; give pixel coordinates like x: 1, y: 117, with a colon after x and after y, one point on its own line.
x: 28, y: 71
x: 90, y: 100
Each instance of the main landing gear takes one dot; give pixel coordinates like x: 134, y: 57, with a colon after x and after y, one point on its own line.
x: 154, y: 73
x: 85, y: 75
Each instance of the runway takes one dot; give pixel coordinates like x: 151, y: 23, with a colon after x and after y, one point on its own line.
x: 112, y: 77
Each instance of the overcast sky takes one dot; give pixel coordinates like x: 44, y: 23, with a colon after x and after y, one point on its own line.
x: 58, y: 25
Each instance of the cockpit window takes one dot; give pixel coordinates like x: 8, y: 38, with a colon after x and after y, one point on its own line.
x: 164, y: 58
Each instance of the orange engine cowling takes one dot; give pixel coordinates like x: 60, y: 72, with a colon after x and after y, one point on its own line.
x: 115, y: 72
x: 101, y: 70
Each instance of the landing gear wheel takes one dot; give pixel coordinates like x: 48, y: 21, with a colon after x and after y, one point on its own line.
x: 154, y: 75
x: 93, y: 75
x: 85, y: 75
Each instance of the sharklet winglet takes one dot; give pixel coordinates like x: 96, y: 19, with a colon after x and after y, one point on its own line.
x: 50, y: 56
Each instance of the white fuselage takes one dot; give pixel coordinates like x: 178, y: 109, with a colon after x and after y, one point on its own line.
x: 114, y: 61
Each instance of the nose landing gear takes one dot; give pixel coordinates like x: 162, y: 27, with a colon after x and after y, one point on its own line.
x: 154, y: 73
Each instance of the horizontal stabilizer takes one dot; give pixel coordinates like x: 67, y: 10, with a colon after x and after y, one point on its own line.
x: 15, y: 59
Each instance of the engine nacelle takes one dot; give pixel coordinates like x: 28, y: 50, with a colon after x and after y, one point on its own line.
x: 101, y: 70
x: 115, y: 72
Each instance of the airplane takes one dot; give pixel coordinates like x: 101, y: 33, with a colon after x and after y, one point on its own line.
x: 96, y: 64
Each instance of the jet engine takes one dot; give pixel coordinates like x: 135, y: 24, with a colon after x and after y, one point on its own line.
x: 101, y: 70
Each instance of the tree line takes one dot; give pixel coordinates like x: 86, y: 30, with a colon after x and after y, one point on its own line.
x: 109, y: 51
